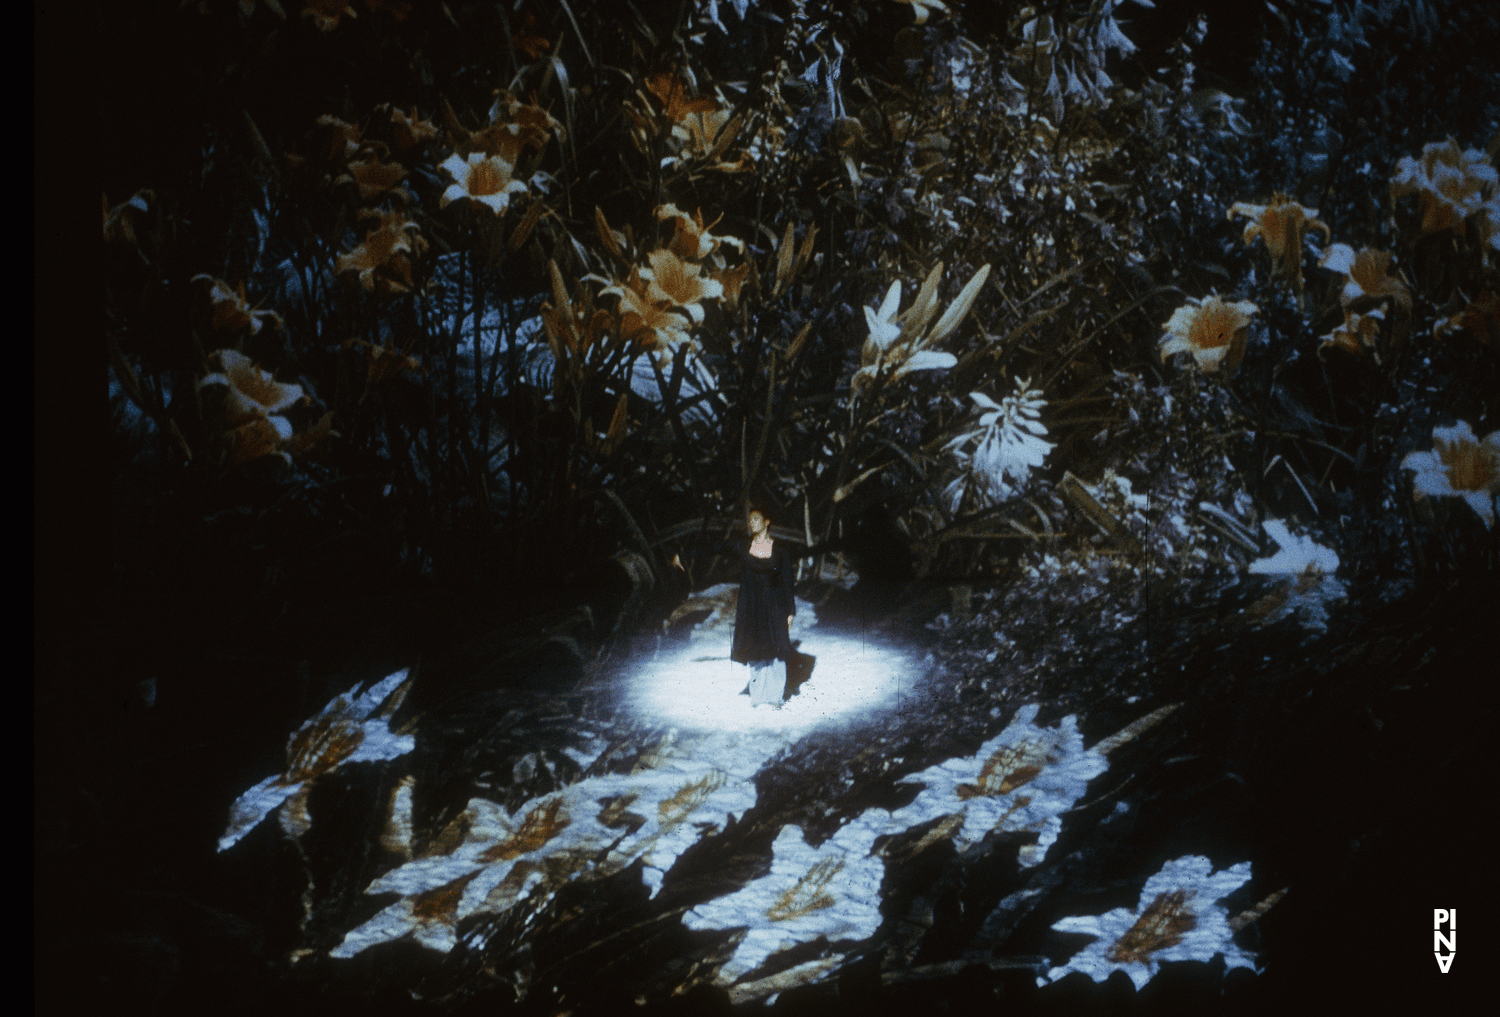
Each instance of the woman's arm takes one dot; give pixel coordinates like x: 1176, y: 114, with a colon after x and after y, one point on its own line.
x: 708, y: 543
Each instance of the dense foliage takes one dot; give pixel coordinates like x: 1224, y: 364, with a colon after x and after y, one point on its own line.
x: 645, y: 305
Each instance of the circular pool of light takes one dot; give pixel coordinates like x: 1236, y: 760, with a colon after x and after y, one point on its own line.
x: 698, y: 687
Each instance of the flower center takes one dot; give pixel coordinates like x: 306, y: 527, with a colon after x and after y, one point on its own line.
x: 442, y: 901
x: 381, y: 244
x: 541, y: 825
x: 321, y: 747
x: 487, y: 177
x: 1469, y: 469
x: 1213, y: 328
x: 1160, y: 926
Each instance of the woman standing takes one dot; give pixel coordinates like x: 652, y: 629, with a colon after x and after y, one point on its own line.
x: 764, y: 609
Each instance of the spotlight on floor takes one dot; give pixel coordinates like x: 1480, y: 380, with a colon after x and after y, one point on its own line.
x: 698, y: 686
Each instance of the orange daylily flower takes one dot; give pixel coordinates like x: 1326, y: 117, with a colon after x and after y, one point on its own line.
x: 649, y: 325
x: 382, y: 363
x: 1460, y: 465
x: 1481, y: 319
x: 674, y: 98
x: 232, y: 312
x: 1356, y: 335
x: 384, y: 256
x: 481, y: 178
x: 676, y: 282
x: 514, y: 127
x: 344, y: 143
x: 731, y: 279
x: 254, y: 392
x: 690, y: 238
x: 1451, y: 184
x: 528, y: 116
x: 506, y: 142
x: 246, y: 403
x: 1366, y: 276
x: 699, y: 133
x: 373, y: 177
x: 408, y: 131
x: 1212, y: 330
x: 1282, y: 224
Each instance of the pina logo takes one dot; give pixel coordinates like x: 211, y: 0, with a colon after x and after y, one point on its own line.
x: 1445, y: 940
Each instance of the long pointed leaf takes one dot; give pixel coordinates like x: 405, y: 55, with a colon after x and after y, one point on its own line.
x: 960, y: 306
x: 784, y: 259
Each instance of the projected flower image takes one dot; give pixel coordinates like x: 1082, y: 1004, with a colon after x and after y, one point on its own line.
x: 832, y: 890
x: 1022, y: 780
x: 589, y: 829
x: 341, y: 733
x: 1176, y: 919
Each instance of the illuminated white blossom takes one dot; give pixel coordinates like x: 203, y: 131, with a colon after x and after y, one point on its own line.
x: 1176, y: 919
x: 501, y: 856
x: 896, y: 344
x: 486, y: 179
x: 677, y: 804
x: 998, y: 455
x: 1307, y: 575
x: 1459, y: 465
x: 589, y: 829
x: 1297, y: 554
x: 1212, y: 330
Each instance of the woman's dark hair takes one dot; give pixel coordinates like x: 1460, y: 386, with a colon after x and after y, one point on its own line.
x: 762, y: 508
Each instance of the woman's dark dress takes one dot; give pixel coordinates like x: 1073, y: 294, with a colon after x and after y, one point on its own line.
x: 765, y: 601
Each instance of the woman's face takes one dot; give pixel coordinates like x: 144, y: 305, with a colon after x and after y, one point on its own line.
x: 758, y: 524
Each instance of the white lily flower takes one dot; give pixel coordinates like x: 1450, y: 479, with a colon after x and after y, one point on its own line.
x: 1459, y: 465
x: 483, y: 178
x: 896, y: 343
x: 1308, y: 570
x: 500, y: 858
